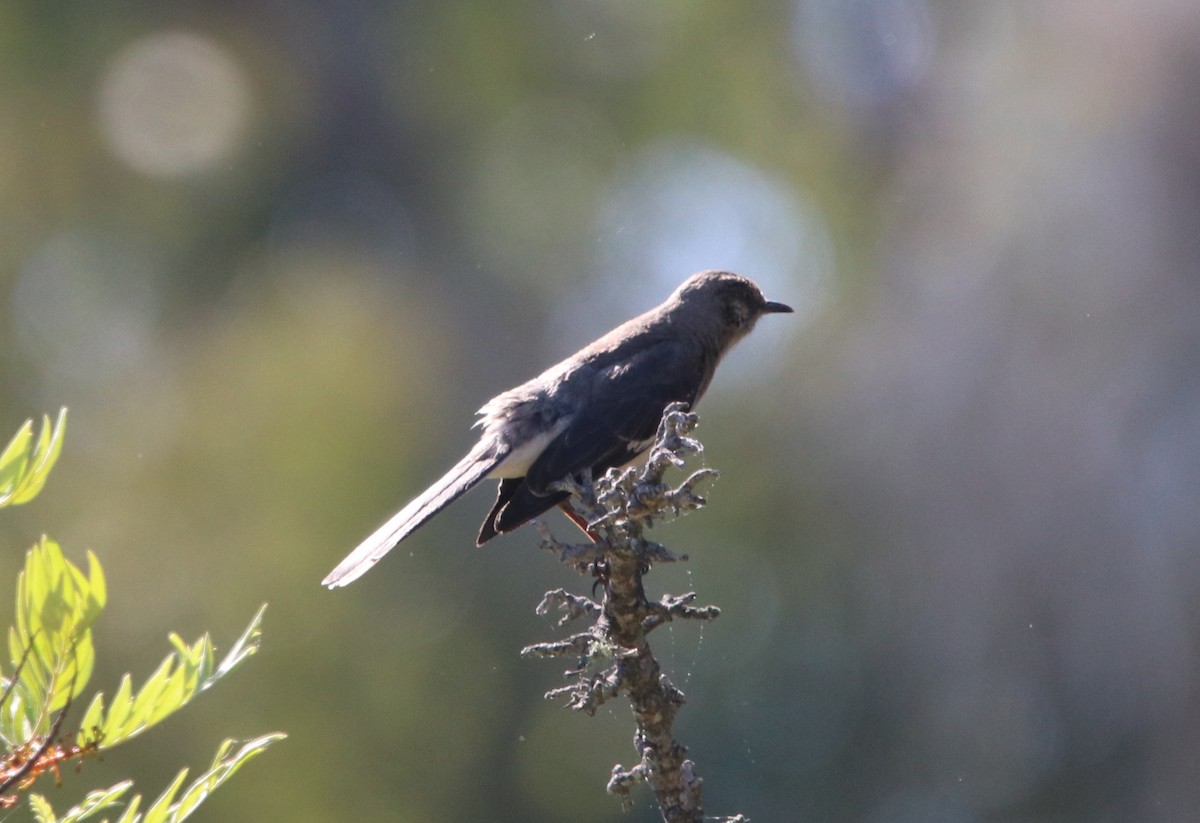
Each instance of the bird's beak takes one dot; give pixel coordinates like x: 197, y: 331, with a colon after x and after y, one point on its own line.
x: 771, y: 307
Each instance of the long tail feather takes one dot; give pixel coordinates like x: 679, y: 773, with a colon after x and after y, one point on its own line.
x: 453, y: 485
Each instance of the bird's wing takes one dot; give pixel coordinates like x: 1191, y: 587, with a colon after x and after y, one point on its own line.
x: 624, y: 405
x: 453, y: 484
x: 622, y: 412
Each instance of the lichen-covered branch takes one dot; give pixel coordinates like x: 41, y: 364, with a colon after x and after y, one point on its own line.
x: 612, y: 657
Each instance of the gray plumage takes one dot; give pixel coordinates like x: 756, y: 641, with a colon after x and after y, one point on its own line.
x: 597, y: 409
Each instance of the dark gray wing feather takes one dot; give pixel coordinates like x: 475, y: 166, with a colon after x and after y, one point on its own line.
x: 622, y: 412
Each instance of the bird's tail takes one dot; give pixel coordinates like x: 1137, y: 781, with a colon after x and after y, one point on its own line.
x: 453, y: 485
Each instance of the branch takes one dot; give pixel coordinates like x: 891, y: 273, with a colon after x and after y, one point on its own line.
x: 612, y: 657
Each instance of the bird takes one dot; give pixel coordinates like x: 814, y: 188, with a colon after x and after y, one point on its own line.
x: 597, y: 409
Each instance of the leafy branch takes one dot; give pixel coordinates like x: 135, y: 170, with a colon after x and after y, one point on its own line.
x: 176, y: 802
x: 52, y: 657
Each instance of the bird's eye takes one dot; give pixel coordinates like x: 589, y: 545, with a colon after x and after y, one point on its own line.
x: 737, y: 313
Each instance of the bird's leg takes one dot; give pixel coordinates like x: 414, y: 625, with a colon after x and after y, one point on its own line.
x: 599, y: 567
x: 579, y: 520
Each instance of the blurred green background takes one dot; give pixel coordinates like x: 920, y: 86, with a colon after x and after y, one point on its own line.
x: 273, y: 255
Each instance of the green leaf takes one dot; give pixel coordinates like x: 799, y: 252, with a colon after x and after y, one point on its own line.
x: 146, y: 702
x: 93, y: 716
x: 14, y: 463
x: 158, y: 811
x: 131, y: 812
x: 184, y: 673
x: 121, y: 706
x: 94, y: 803
x: 224, y: 766
x: 42, y: 811
x: 56, y: 605
x: 25, y: 465
x: 245, y: 646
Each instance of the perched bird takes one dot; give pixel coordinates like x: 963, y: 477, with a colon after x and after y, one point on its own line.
x: 597, y: 409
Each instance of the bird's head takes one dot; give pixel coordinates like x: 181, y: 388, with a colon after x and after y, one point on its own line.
x: 728, y: 303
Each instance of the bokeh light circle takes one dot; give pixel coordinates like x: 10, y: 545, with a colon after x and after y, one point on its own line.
x: 86, y: 305
x: 173, y: 104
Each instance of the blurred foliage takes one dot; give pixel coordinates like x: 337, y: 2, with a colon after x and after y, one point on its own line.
x: 52, y: 658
